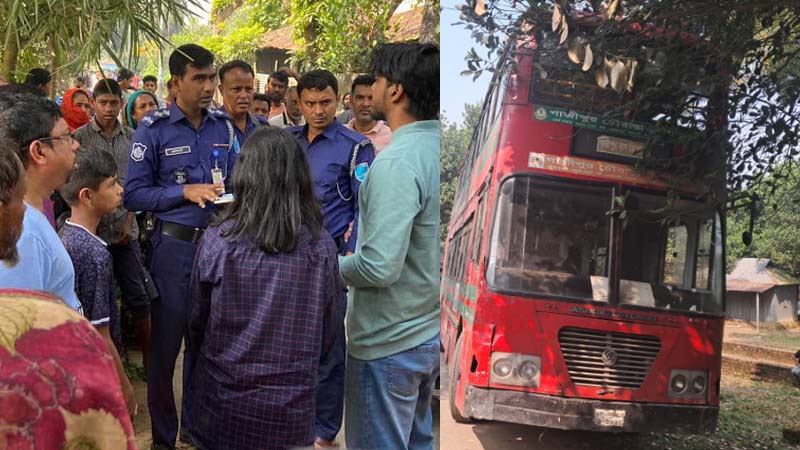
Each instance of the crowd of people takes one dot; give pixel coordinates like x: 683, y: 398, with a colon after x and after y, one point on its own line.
x: 246, y: 233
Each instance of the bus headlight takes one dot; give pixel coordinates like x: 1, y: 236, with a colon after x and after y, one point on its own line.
x: 679, y: 383
x: 528, y: 370
x: 503, y: 367
x: 688, y: 384
x: 699, y: 384
x: 515, y: 369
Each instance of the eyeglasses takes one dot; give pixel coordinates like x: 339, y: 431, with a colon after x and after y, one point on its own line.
x: 69, y: 137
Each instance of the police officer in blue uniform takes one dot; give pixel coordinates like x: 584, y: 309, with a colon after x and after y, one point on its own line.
x: 236, y: 79
x: 178, y: 160
x: 339, y: 159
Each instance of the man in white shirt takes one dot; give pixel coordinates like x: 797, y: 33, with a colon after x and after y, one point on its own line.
x: 291, y: 115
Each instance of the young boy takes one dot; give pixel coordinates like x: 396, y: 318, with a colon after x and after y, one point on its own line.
x: 92, y: 192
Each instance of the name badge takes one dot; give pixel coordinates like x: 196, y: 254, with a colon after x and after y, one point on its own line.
x: 182, y: 150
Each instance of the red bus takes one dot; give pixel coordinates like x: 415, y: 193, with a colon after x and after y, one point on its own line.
x: 580, y: 291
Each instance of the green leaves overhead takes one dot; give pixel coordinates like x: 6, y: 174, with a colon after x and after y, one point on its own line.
x: 665, y: 59
x: 338, y: 34
x: 78, y: 32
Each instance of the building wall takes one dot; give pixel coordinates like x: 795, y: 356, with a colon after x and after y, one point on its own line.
x: 782, y: 304
x: 778, y: 304
x: 741, y: 306
x: 269, y: 60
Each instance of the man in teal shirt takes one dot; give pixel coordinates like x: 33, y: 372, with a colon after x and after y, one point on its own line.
x: 393, y: 316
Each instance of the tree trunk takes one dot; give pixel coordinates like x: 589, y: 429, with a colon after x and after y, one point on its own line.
x: 55, y: 63
x: 429, y: 31
x: 11, y: 49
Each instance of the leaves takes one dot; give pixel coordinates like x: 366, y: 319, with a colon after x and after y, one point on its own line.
x: 557, y: 18
x: 601, y: 76
x: 587, y: 62
x: 618, y: 76
x: 631, y: 67
x: 611, y: 10
x: 576, y: 51
x: 338, y: 34
x: 564, y: 30
x: 79, y: 33
x: 480, y: 8
x: 727, y: 70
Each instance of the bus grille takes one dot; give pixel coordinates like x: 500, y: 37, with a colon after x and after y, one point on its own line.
x: 589, y: 363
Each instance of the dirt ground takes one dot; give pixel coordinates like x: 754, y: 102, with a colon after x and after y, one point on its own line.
x: 783, y: 336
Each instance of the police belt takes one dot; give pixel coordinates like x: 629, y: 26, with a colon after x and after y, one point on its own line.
x: 182, y: 232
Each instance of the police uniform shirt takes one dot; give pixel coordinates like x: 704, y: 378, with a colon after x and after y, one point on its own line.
x: 252, y: 123
x: 168, y: 152
x: 336, y: 176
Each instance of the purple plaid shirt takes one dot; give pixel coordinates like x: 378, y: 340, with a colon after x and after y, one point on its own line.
x: 259, y: 324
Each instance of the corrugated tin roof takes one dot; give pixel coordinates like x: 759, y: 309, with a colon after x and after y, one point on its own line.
x: 746, y: 286
x: 756, y: 275
x: 280, y: 39
x: 403, y: 26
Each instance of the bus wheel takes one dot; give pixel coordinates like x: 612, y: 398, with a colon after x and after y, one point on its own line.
x: 455, y: 376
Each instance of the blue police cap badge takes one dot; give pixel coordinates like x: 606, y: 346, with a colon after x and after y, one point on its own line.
x: 137, y: 153
x: 361, y: 171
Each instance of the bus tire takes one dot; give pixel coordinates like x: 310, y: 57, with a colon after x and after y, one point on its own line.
x: 455, y: 376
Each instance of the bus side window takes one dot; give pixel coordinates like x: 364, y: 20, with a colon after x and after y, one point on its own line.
x: 450, y: 251
x: 477, y: 237
x: 675, y: 256
x: 464, y: 251
x: 704, y: 249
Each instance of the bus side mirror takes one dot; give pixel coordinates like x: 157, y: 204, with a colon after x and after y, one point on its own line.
x: 747, y: 238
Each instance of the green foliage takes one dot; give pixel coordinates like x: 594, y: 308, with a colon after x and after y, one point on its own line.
x: 218, y: 6
x: 776, y: 234
x: 34, y: 55
x: 272, y: 14
x: 237, y: 34
x: 78, y: 33
x: 749, y: 48
x: 336, y: 34
x: 455, y: 142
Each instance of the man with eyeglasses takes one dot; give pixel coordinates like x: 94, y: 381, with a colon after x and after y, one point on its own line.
x: 47, y: 150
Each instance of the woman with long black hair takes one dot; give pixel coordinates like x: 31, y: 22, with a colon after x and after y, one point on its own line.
x: 265, y: 284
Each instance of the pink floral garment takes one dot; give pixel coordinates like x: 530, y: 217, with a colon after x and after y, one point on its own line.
x: 58, y: 385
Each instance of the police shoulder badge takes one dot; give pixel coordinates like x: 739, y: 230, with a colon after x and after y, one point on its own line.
x: 137, y: 153
x: 361, y: 171
x: 180, y: 176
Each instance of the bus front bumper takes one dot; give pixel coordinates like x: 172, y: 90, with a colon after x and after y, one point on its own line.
x: 585, y: 414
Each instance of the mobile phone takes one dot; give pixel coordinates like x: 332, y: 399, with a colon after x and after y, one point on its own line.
x: 224, y: 198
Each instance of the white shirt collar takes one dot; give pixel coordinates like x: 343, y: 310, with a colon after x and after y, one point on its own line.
x: 69, y: 222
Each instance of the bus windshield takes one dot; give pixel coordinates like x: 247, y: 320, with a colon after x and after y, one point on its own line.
x: 552, y: 238
x: 674, y: 264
